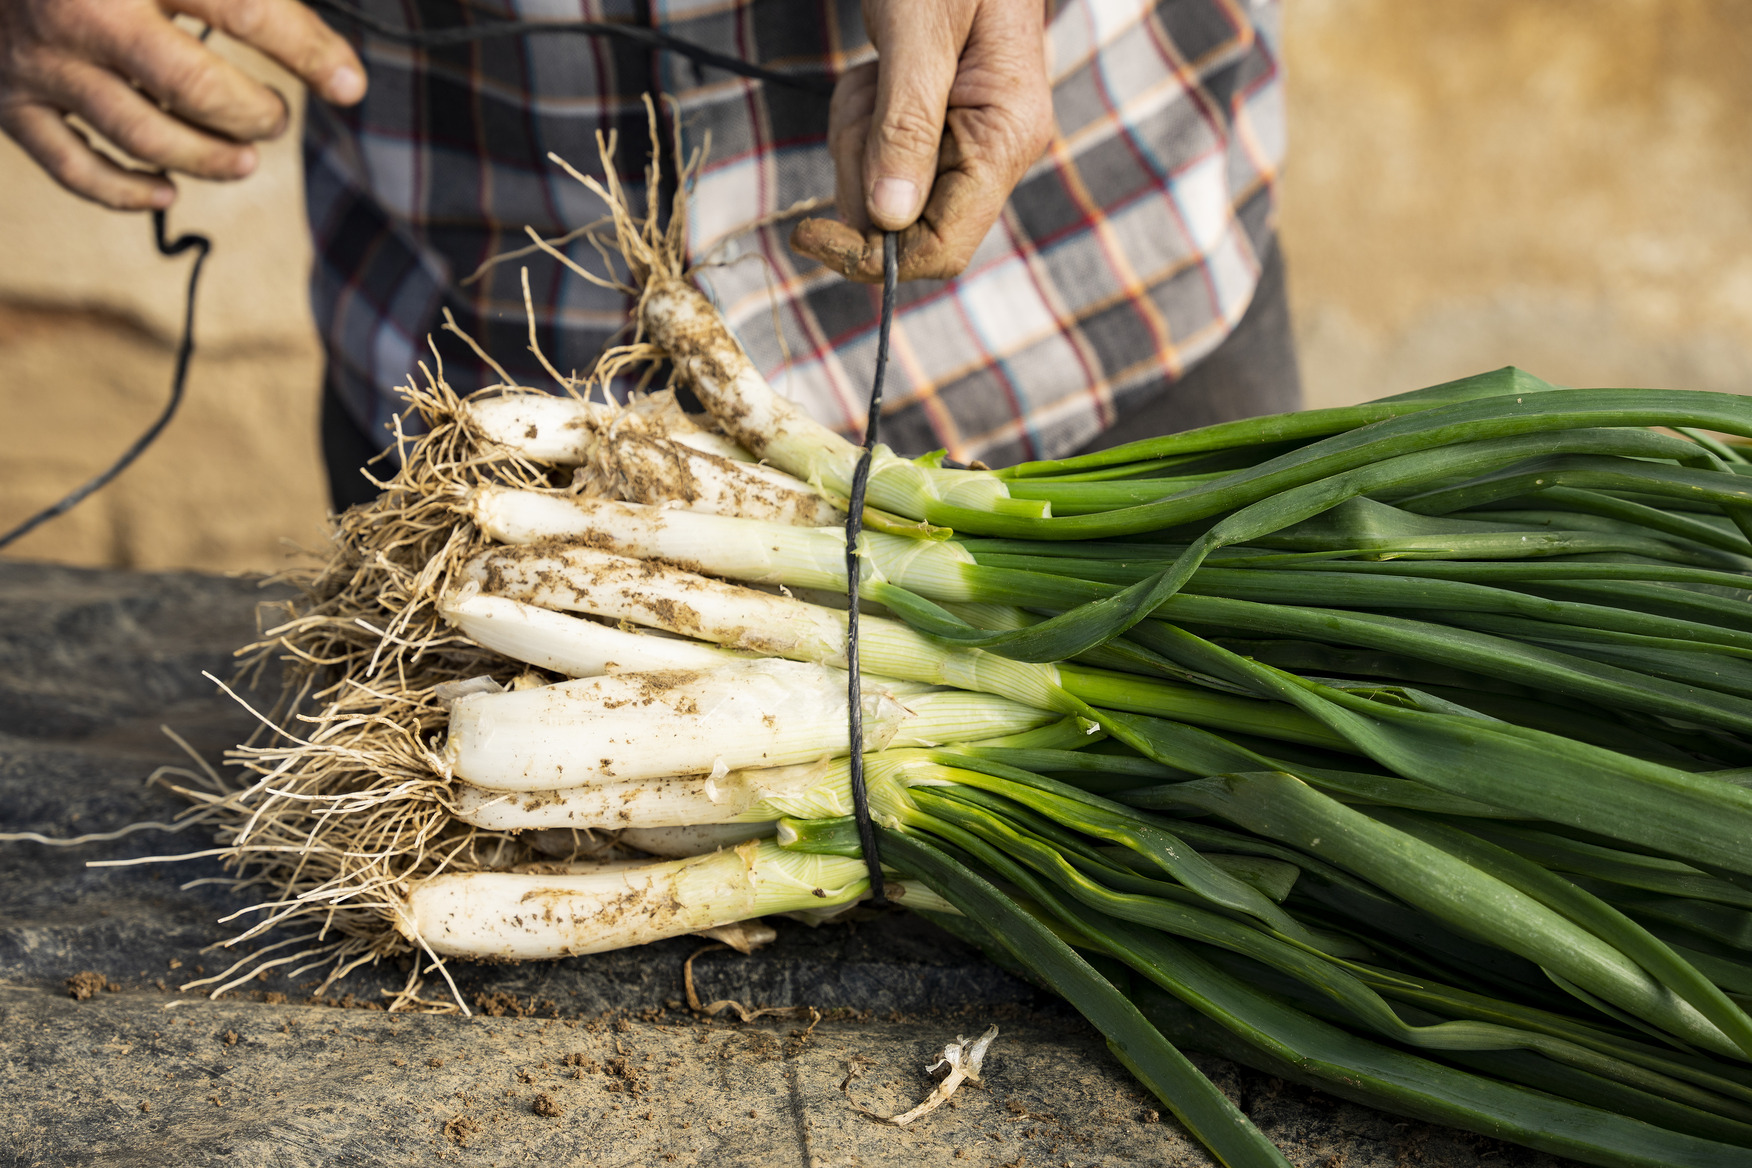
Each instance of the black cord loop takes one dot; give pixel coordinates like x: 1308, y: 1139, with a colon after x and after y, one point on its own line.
x: 854, y: 526
x: 201, y: 246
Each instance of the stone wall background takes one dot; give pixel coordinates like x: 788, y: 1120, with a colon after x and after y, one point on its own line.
x: 1564, y: 185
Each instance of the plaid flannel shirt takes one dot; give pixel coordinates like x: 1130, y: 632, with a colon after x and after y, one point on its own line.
x: 1128, y: 252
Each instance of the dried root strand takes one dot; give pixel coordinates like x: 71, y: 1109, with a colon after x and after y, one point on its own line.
x: 963, y: 1059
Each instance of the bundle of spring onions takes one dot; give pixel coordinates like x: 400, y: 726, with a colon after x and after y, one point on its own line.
x: 1401, y: 749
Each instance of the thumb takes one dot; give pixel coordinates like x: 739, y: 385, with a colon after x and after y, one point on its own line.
x: 914, y: 72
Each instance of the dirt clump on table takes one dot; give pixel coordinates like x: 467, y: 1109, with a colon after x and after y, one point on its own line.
x: 89, y: 983
x: 628, y: 1079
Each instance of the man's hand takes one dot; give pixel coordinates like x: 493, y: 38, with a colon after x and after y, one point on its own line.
x: 931, y: 138
x: 155, y: 90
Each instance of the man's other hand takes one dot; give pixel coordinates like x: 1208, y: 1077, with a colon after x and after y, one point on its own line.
x: 154, y: 89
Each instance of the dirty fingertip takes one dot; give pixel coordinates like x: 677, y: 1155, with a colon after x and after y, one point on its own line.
x: 345, y: 86
x: 833, y: 243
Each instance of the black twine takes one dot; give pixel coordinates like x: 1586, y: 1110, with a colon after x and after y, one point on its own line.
x: 489, y: 29
x: 201, y: 245
x: 854, y: 525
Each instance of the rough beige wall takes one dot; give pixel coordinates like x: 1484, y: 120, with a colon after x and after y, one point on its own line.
x: 1564, y: 185
x: 89, y: 313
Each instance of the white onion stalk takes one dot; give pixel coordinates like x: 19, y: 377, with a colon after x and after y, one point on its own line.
x: 567, y: 431
x: 684, y: 324
x: 738, y: 547
x: 565, y: 644
x: 582, y: 579
x: 742, y: 936
x: 709, y: 442
x: 672, y: 801
x: 540, y: 427
x: 749, y: 794
x: 578, y: 647
x: 652, y: 452
x: 676, y: 469
x: 529, y: 917
x: 633, y: 726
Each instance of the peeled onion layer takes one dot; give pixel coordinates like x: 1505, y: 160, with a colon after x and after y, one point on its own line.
x: 695, y: 839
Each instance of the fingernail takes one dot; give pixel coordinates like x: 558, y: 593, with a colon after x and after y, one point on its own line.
x: 346, y: 85
x: 246, y: 161
x: 162, y: 197
x: 894, y: 198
